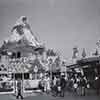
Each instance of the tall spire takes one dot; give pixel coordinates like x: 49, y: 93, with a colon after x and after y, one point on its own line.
x: 75, y: 52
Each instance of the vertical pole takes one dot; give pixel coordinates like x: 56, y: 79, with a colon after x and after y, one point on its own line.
x: 22, y: 83
x: 35, y: 75
x: 36, y: 65
x: 51, y: 71
x: 14, y: 83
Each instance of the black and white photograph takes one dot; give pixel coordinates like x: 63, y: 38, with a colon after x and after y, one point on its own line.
x: 49, y: 49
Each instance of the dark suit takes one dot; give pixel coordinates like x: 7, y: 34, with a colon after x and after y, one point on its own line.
x: 19, y: 88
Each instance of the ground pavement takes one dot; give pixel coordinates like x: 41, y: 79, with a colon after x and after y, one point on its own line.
x: 39, y: 96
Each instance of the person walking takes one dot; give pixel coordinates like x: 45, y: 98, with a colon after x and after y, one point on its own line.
x: 41, y: 84
x: 97, y: 83
x: 19, y: 89
x: 63, y: 85
x: 47, y: 87
x: 83, y: 85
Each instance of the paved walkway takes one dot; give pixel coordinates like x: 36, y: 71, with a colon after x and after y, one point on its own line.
x: 39, y: 96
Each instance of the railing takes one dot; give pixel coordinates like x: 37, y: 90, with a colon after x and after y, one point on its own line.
x: 7, y: 87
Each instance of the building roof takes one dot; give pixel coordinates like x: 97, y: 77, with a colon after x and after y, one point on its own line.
x: 20, y: 46
x: 89, y: 60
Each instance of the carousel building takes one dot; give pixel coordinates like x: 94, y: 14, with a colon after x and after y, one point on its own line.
x: 21, y: 54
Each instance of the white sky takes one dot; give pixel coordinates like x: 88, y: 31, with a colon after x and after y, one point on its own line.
x: 61, y: 24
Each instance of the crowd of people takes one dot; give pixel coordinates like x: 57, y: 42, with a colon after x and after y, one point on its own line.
x: 56, y: 85
x: 77, y: 84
